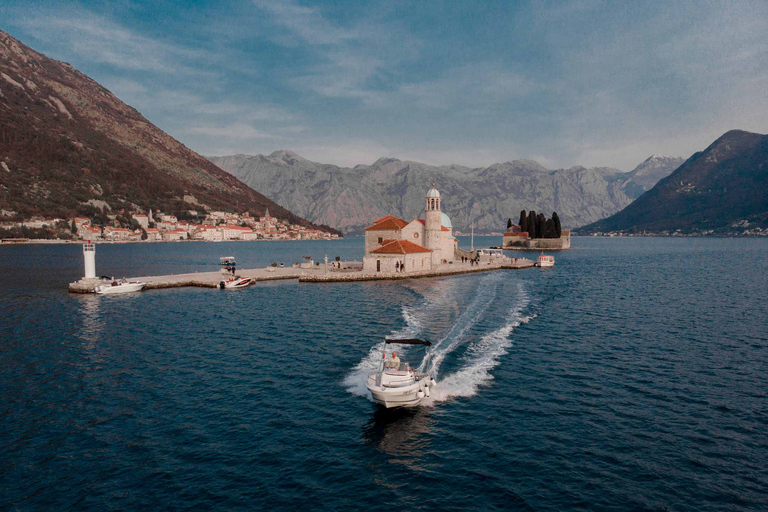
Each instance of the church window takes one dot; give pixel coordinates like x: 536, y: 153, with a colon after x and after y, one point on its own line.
x: 415, y: 235
x: 381, y: 239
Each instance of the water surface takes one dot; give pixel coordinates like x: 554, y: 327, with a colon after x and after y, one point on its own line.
x: 632, y: 376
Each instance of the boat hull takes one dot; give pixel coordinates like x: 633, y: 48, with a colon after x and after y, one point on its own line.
x: 233, y: 285
x: 122, y: 288
x: 403, y: 396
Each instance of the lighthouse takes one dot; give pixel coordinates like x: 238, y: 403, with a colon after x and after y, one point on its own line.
x: 89, y: 255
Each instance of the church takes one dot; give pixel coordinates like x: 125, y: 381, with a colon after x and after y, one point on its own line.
x: 392, y: 244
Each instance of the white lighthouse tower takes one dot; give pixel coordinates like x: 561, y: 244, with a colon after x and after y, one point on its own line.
x: 432, y: 222
x: 89, y: 255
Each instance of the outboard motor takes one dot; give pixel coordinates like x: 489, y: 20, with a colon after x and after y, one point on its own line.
x: 221, y: 285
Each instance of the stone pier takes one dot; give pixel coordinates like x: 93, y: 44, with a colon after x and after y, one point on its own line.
x: 316, y: 274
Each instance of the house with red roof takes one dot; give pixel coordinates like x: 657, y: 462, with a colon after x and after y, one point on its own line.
x: 392, y: 243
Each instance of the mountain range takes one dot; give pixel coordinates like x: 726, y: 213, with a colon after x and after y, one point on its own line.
x: 722, y: 189
x: 350, y: 198
x: 68, y: 147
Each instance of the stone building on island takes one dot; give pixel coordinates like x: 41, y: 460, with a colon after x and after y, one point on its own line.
x: 392, y: 244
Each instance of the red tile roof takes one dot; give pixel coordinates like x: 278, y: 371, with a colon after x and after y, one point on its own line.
x: 386, y: 217
x: 388, y: 223
x: 401, y: 247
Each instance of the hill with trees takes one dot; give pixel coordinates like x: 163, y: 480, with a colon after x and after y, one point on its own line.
x: 723, y: 189
x: 69, y: 147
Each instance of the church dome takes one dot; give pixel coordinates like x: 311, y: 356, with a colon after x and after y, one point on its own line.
x: 445, y: 221
x: 433, y: 192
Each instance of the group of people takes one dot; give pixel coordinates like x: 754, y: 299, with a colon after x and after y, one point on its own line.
x: 399, y: 267
x: 472, y: 261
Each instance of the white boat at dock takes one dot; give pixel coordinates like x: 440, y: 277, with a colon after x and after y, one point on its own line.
x: 235, y: 282
x: 398, y: 384
x: 545, y: 261
x: 121, y: 286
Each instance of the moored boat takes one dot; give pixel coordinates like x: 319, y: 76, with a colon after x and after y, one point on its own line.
x: 235, y: 282
x: 121, y: 286
x: 545, y: 261
x: 397, y: 384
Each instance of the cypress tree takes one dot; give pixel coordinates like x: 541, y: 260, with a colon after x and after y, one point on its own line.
x: 549, y: 229
x: 558, y: 227
x: 523, y: 221
x: 74, y: 227
x: 532, y: 224
x: 540, y: 221
x: 509, y: 223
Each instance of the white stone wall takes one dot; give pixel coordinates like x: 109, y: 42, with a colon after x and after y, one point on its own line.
x: 413, y: 262
x: 372, y: 238
x: 414, y: 228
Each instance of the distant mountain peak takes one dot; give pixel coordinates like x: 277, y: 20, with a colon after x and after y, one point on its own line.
x: 386, y: 160
x: 286, y: 155
x: 657, y: 156
x: 722, y: 185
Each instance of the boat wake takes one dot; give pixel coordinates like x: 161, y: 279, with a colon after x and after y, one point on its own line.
x: 460, y: 345
x: 482, y: 356
x: 416, y: 318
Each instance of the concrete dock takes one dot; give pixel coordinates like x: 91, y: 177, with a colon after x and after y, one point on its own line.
x: 316, y: 274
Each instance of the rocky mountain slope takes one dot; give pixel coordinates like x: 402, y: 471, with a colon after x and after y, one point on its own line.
x: 69, y: 147
x: 718, y: 189
x: 644, y: 176
x: 349, y: 198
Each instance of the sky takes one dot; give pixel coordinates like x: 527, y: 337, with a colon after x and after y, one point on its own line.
x: 579, y: 82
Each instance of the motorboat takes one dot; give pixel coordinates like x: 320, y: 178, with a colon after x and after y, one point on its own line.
x: 545, y: 261
x: 397, y: 384
x: 235, y: 282
x: 119, y: 286
x: 228, y: 261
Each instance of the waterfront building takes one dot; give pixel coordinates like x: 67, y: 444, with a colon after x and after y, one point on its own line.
x: 142, y: 219
x: 165, y: 225
x: 174, y: 235
x: 117, y: 234
x: 430, y: 241
x: 81, y: 222
x: 90, y: 233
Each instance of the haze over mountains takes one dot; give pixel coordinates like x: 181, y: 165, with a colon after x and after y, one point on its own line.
x: 723, y: 189
x: 70, y: 147
x: 349, y: 198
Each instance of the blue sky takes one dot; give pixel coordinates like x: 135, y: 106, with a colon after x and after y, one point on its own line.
x: 582, y: 82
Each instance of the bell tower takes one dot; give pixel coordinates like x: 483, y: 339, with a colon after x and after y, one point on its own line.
x: 432, y: 220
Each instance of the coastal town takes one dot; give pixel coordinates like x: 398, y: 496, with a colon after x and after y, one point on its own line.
x: 215, y: 226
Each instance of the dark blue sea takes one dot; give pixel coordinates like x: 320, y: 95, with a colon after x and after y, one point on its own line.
x: 631, y: 376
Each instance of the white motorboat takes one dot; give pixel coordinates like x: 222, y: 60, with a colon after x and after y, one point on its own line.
x: 119, y: 286
x: 235, y: 282
x: 228, y: 261
x: 397, y: 384
x: 545, y: 261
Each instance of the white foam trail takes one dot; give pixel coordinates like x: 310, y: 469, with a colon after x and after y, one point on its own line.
x: 416, y: 318
x: 486, y: 293
x: 355, y: 381
x: 482, y: 357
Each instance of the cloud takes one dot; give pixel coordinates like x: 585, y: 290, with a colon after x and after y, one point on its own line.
x: 355, y: 61
x: 236, y: 130
x: 99, y: 39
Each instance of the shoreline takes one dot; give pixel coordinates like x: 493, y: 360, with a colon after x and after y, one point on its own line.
x: 112, y: 242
